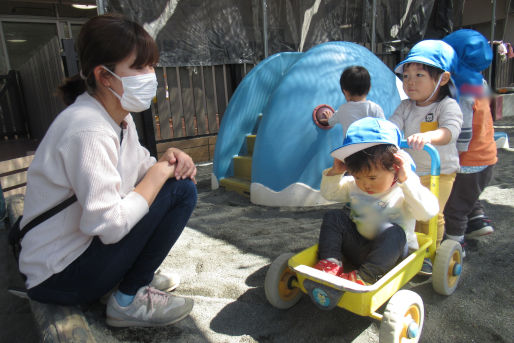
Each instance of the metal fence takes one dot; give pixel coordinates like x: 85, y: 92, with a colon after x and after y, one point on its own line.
x: 12, y: 108
x: 502, y: 71
x: 191, y: 100
x: 41, y: 75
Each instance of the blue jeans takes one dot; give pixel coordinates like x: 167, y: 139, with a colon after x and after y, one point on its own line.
x: 132, y: 261
x: 374, y: 258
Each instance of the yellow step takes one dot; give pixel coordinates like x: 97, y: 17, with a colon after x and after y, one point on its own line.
x: 250, y: 143
x: 236, y: 185
x: 243, y: 167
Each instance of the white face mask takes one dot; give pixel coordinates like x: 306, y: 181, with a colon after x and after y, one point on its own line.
x: 138, y: 91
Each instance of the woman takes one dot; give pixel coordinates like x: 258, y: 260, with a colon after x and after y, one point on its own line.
x: 130, y: 208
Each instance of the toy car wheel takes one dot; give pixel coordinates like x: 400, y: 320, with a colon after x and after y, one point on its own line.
x: 447, y: 267
x: 403, y: 318
x: 278, y: 283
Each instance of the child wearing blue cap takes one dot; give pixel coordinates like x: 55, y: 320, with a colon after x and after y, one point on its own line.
x: 430, y: 115
x: 464, y: 215
x: 385, y: 199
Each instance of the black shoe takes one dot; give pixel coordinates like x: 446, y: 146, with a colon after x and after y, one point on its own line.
x: 479, y: 226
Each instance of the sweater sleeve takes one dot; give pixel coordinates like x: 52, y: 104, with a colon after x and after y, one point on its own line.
x: 419, y: 201
x: 335, y: 118
x: 451, y: 117
x: 378, y: 112
x: 466, y: 105
x: 90, y: 160
x: 398, y: 116
x: 336, y: 187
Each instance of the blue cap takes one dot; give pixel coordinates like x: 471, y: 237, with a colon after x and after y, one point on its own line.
x: 365, y: 133
x: 474, y: 55
x: 435, y: 53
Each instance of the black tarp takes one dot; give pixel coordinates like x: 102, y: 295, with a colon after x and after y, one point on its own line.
x: 206, y: 32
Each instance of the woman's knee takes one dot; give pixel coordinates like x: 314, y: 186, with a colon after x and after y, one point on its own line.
x: 184, y: 190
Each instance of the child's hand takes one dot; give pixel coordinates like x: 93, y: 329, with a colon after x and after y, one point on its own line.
x: 418, y: 140
x: 324, y: 116
x: 401, y: 168
x: 337, y: 168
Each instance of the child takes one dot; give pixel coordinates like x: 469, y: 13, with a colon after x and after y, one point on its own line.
x: 464, y: 215
x: 355, y: 84
x: 385, y: 196
x: 430, y: 115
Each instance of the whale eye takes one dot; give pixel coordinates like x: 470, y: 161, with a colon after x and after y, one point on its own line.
x: 321, y: 115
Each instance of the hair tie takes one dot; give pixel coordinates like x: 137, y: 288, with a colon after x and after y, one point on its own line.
x: 82, y: 75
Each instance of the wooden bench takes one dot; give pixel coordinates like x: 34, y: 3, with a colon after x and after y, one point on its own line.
x: 56, y: 323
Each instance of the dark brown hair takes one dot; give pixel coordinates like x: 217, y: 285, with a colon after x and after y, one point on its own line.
x: 377, y: 156
x: 355, y: 80
x: 107, y: 40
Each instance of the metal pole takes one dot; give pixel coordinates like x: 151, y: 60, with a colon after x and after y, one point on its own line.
x: 506, y: 20
x: 100, y: 7
x: 265, y: 27
x: 373, y: 24
x: 493, y: 24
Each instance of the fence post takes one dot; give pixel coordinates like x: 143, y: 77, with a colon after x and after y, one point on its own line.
x: 148, y: 138
x: 70, y: 57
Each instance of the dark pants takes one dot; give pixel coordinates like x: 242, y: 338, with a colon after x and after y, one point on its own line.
x: 463, y: 202
x: 132, y: 261
x: 373, y: 258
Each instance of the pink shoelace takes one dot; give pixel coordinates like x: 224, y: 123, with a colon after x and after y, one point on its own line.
x: 156, y: 297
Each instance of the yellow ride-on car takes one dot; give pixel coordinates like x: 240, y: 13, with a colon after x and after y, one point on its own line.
x: 289, y: 275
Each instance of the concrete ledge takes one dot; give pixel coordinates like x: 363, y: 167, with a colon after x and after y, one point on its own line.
x: 61, y: 323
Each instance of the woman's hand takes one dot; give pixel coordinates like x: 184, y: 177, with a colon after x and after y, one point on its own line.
x: 337, y: 168
x: 184, y: 165
x: 401, y: 168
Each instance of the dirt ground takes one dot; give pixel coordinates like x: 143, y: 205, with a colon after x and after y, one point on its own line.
x: 225, y: 251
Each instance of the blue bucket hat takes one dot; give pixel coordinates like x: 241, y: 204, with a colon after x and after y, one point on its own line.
x: 435, y: 53
x: 474, y: 55
x: 365, y: 133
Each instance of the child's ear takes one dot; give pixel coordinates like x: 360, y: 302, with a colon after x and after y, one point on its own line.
x: 445, y: 78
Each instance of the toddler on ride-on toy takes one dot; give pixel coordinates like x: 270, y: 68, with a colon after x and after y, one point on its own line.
x: 385, y: 199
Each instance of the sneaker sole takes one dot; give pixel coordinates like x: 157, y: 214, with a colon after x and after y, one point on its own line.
x: 487, y: 230
x: 121, y: 323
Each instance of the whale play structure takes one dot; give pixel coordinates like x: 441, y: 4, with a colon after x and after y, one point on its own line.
x: 268, y: 146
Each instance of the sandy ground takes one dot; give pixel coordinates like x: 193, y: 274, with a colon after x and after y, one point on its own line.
x: 225, y: 251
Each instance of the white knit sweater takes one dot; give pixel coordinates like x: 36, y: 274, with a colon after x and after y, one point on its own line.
x: 81, y: 154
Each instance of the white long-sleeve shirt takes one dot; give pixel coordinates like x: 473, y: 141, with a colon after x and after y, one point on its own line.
x: 81, y: 154
x: 402, y: 204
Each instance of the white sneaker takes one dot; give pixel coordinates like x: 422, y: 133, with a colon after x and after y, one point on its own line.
x: 149, y: 308
x: 165, y: 281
